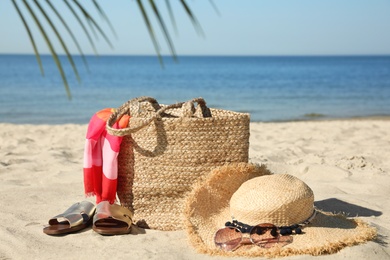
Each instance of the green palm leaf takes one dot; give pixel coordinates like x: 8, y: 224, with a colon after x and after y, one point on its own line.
x: 151, y: 31
x: 215, y: 7
x: 168, y: 4
x: 38, y: 57
x: 69, y: 31
x: 78, y: 19
x: 192, y: 17
x: 49, y: 44
x: 79, y: 12
x: 105, y: 17
x: 92, y: 22
x: 163, y: 27
x: 53, y: 27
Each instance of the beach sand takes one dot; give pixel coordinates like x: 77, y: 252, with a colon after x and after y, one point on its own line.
x: 345, y: 162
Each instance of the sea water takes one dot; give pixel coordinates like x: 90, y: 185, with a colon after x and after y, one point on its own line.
x: 280, y: 88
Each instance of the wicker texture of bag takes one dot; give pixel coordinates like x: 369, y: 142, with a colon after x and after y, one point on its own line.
x: 166, y: 149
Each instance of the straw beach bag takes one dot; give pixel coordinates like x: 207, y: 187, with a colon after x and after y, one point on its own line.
x: 166, y: 149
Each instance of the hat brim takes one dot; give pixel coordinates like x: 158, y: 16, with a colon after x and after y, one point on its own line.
x: 207, y: 210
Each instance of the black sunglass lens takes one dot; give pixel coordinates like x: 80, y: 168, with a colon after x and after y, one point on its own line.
x: 258, y: 230
x: 274, y: 232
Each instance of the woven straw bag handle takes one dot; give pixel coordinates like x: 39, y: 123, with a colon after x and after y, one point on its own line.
x: 189, y: 108
x: 125, y: 109
x: 188, y: 111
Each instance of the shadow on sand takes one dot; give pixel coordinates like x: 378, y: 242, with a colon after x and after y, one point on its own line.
x: 351, y: 210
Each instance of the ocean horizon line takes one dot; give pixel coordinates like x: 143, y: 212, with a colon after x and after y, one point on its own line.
x: 208, y: 55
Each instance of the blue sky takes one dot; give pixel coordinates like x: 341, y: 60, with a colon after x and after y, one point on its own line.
x: 244, y: 27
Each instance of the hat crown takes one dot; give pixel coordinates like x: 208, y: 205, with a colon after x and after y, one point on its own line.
x: 280, y: 199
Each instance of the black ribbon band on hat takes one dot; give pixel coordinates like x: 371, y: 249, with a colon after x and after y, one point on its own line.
x: 283, y: 230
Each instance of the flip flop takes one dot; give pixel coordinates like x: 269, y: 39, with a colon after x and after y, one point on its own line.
x: 75, y: 218
x: 112, y: 219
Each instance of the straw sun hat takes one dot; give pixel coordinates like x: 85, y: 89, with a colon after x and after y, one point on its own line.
x: 250, y: 194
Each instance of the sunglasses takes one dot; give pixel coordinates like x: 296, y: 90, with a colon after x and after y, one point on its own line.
x: 263, y: 235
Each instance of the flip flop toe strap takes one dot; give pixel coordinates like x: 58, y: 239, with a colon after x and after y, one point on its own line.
x: 79, y: 213
x: 105, y: 210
